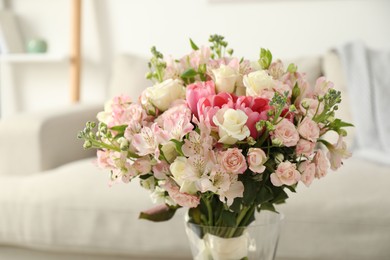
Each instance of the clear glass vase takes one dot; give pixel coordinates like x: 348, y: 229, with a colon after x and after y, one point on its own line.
x: 258, y: 241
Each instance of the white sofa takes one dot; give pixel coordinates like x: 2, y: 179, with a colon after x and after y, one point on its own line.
x: 56, y: 204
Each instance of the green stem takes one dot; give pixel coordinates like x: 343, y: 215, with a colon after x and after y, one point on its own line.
x: 209, y: 211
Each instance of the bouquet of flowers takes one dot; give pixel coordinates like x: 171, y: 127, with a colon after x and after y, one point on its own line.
x: 220, y: 135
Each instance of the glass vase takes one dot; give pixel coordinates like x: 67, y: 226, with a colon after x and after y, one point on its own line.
x: 258, y: 241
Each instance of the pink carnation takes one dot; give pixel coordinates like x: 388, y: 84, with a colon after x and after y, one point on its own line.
x: 308, y: 170
x: 286, y: 133
x: 322, y: 164
x: 309, y: 129
x: 285, y: 174
x: 233, y: 161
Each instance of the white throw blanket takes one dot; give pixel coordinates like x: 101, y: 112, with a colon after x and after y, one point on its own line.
x: 368, y: 80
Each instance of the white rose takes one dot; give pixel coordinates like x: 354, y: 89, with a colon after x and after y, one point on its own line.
x: 179, y: 168
x: 225, y: 78
x: 163, y: 94
x: 257, y: 81
x: 231, y: 125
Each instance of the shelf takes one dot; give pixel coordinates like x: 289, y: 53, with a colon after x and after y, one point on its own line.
x: 33, y: 58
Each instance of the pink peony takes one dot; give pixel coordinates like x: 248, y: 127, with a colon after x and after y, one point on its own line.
x: 196, y: 91
x: 308, y: 170
x: 321, y: 163
x: 233, y: 161
x: 255, y: 108
x: 256, y: 159
x: 285, y: 174
x: 286, y: 133
x: 309, y: 129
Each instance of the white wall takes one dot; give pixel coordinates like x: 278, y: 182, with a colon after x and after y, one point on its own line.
x: 288, y: 28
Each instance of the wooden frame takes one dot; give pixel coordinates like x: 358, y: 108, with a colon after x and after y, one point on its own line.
x: 75, y: 58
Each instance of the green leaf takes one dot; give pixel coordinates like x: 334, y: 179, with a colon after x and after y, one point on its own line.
x: 193, y: 45
x: 194, y: 214
x: 250, y: 191
x: 265, y: 58
x: 292, y: 68
x: 159, y: 213
x: 265, y: 194
x: 119, y: 128
x: 296, y: 91
x: 189, y: 73
x: 268, y: 206
x: 236, y: 206
x: 178, y: 146
x: 339, y: 123
x: 280, y: 196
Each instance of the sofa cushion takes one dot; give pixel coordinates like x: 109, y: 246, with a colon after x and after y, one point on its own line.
x: 73, y: 209
x: 345, y: 215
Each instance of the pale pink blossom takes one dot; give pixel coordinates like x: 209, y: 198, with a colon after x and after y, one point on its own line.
x: 309, y: 129
x: 256, y: 159
x: 181, y: 198
x: 322, y: 164
x: 199, y: 57
x: 322, y: 86
x: 103, y: 159
x: 285, y: 174
x: 308, y: 170
x: 195, y: 144
x: 337, y: 152
x: 276, y: 69
x: 196, y: 91
x: 143, y: 165
x: 304, y: 147
x: 161, y: 170
x: 233, y: 161
x: 286, y: 133
x: 176, y: 123
x: 236, y: 190
x: 116, y: 111
x: 148, y: 140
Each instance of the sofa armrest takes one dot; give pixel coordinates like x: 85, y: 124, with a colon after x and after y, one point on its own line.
x: 36, y: 142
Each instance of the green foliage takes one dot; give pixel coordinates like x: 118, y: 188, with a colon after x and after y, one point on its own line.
x: 265, y: 58
x: 159, y: 213
x: 193, y: 45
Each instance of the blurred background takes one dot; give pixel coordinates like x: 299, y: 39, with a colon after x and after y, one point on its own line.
x: 289, y: 28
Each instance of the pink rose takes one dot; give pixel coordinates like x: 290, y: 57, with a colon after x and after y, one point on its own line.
x: 309, y: 129
x: 285, y: 174
x: 321, y: 163
x: 308, y: 170
x: 304, y: 147
x: 209, y: 106
x: 286, y: 133
x: 196, y: 91
x: 233, y: 161
x: 255, y: 108
x: 256, y: 159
